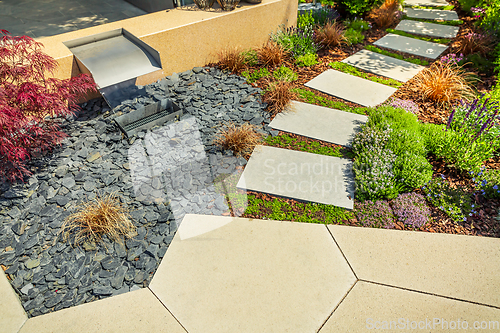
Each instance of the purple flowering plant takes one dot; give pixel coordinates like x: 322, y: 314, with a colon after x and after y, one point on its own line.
x: 452, y: 59
x: 411, y: 209
x: 377, y: 214
x: 406, y: 104
x: 473, y: 134
x: 455, y: 202
x: 487, y: 182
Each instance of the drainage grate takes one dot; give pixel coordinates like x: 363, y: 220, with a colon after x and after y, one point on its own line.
x: 148, y: 116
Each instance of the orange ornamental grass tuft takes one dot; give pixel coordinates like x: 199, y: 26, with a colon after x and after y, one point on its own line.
x: 99, y: 217
x: 386, y: 15
x: 240, y: 139
x: 271, y: 54
x: 231, y: 59
x: 278, y: 96
x: 331, y: 34
x: 444, y: 83
x: 475, y: 43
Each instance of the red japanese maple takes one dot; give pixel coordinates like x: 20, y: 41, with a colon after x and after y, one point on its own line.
x: 31, y: 103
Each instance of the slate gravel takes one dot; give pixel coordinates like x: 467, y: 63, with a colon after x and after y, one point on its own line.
x: 160, y: 175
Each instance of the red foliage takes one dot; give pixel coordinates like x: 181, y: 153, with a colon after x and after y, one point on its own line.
x: 30, y: 103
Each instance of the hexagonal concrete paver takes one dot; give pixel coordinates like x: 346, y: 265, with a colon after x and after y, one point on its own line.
x: 225, y: 274
x: 135, y: 311
x: 457, y: 266
x: 371, y: 307
x: 12, y: 315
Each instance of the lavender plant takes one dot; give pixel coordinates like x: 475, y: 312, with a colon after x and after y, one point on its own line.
x: 454, y: 202
x: 474, y: 134
x: 376, y: 214
x: 296, y: 41
x: 411, y: 209
x: 487, y: 182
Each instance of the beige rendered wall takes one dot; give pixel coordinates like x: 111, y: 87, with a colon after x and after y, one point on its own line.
x: 186, y: 37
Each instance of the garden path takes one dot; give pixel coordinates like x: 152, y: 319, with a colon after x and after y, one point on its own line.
x: 281, y: 172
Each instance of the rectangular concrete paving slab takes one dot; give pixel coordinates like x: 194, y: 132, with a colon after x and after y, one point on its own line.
x: 428, y: 29
x: 351, y: 88
x: 411, y: 46
x: 371, y: 307
x: 383, y: 65
x: 431, y: 14
x: 438, y: 3
x: 299, y: 175
x: 457, y: 266
x: 135, y: 311
x: 247, y: 275
x: 12, y: 315
x: 319, y: 122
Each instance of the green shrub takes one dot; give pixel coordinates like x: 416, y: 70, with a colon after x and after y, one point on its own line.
x: 466, y: 5
x: 356, y: 7
x: 491, y: 19
x: 295, y: 41
x: 471, y: 136
x: 358, y: 25
x: 307, y: 60
x: 353, y: 36
x: 477, y: 61
x: 453, y: 201
x: 487, y: 182
x: 250, y: 57
x: 413, y: 170
x: 305, y: 21
x: 256, y: 75
x: 285, y: 74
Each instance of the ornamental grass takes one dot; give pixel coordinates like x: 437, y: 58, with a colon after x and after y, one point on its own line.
x: 386, y: 15
x: 241, y: 139
x: 278, y: 96
x: 330, y: 35
x: 271, y: 54
x: 94, y: 219
x: 475, y: 43
x: 444, y: 83
x: 231, y: 59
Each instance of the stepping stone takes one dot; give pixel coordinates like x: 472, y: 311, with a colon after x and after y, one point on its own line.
x: 428, y: 29
x: 383, y: 65
x: 426, y: 3
x: 431, y: 14
x: 411, y: 46
x: 249, y: 275
x: 300, y: 175
x: 348, y: 87
x: 319, y: 123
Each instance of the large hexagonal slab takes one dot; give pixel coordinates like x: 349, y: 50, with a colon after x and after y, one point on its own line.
x: 224, y: 274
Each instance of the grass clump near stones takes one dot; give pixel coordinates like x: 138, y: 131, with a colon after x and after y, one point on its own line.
x: 241, y: 139
x: 397, y: 56
x: 449, y: 7
x: 94, y: 219
x: 452, y: 23
x: 288, y: 142
x: 427, y: 39
x: 284, y: 73
x: 312, y: 98
x: 307, y: 60
x: 271, y: 54
x: 330, y: 35
x: 231, y: 59
x: 256, y: 74
x: 444, y: 83
x: 346, y: 68
x: 278, y: 96
x: 281, y: 210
